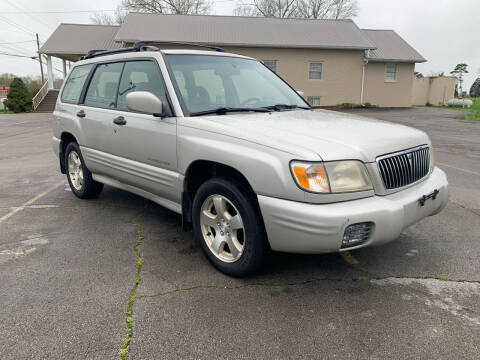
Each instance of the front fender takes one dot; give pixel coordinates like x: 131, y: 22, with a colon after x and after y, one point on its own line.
x: 266, y: 169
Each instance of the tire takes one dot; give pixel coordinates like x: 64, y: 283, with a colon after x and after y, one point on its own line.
x: 78, y: 175
x: 237, y: 245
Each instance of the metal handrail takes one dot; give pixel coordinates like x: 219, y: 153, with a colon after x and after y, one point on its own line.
x: 38, y: 98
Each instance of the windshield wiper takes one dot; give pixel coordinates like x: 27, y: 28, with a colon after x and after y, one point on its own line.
x: 224, y: 110
x: 279, y: 107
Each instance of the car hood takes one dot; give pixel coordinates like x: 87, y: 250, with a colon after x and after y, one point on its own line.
x: 328, y: 134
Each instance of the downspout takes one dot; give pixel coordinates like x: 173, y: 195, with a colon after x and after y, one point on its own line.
x: 365, y: 62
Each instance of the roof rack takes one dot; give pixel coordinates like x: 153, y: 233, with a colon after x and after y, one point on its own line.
x: 145, y: 46
x: 184, y: 43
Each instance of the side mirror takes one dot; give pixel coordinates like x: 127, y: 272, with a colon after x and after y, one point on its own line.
x: 301, y: 93
x: 144, y: 102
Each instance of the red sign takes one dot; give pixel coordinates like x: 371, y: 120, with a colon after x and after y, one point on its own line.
x: 4, y: 89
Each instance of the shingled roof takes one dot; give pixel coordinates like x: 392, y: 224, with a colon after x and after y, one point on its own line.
x: 244, y: 31
x: 391, y: 47
x: 70, y: 41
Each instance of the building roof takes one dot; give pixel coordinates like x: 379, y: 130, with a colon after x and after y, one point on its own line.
x: 391, y: 47
x: 244, y: 31
x: 70, y: 41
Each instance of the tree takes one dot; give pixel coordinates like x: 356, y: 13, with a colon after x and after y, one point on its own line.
x: 475, y: 89
x: 458, y: 72
x: 168, y: 6
x: 103, y: 18
x: 19, y: 99
x: 343, y: 9
x: 152, y: 6
x: 308, y: 9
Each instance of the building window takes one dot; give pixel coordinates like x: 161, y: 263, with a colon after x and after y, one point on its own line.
x: 315, y: 70
x: 271, y: 64
x: 391, y: 72
x: 314, y: 100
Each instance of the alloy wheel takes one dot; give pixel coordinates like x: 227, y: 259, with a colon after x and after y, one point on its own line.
x: 222, y: 228
x: 75, y: 170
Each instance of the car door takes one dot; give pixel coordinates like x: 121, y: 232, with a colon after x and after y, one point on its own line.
x: 95, y: 114
x: 65, y: 114
x: 145, y: 145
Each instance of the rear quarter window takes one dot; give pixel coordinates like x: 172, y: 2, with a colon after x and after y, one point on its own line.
x: 74, y: 85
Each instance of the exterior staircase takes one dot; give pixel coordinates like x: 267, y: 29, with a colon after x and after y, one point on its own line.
x: 48, y: 102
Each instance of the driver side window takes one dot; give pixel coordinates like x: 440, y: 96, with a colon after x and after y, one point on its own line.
x: 251, y: 86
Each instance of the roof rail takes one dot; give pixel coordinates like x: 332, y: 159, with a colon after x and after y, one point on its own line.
x: 145, y: 46
x: 140, y: 44
x: 95, y: 53
x: 90, y: 52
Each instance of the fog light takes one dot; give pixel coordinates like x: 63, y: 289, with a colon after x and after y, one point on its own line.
x: 356, y: 234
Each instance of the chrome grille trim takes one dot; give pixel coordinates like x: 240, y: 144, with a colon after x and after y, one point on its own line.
x: 405, y: 167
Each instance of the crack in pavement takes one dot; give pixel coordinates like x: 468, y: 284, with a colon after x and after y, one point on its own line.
x: 464, y: 207
x: 123, y: 352
x: 296, y: 283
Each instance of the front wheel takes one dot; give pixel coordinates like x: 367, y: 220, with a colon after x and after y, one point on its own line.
x: 228, y: 225
x: 78, y: 175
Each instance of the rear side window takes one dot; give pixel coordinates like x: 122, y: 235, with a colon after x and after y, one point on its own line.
x: 142, y: 75
x: 74, y: 85
x: 102, y: 91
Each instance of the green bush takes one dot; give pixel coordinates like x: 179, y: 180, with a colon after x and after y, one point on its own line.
x: 366, y: 105
x: 19, y: 98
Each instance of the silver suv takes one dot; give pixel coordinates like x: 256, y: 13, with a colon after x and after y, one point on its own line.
x: 229, y: 145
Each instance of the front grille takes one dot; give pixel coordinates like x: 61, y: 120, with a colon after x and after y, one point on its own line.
x: 404, y: 167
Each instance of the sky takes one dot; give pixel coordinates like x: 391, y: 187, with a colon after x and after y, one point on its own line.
x: 445, y: 32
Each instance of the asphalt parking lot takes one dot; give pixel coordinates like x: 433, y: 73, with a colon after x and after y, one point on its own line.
x: 68, y: 266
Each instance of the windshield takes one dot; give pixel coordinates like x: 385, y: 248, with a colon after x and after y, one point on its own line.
x: 209, y: 82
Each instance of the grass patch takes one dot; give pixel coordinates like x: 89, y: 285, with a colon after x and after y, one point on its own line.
x: 355, y: 106
x: 3, y: 112
x: 475, y: 110
x: 443, y: 277
x: 123, y: 352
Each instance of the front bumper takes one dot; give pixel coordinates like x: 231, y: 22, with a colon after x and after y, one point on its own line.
x: 318, y: 228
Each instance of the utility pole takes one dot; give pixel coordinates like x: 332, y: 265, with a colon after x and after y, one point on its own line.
x: 40, y: 59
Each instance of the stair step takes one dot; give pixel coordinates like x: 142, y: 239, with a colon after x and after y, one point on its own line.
x: 48, y: 103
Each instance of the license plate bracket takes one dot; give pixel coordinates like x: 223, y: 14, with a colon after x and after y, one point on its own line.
x: 432, y: 195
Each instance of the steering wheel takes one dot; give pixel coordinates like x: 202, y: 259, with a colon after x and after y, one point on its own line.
x: 250, y: 100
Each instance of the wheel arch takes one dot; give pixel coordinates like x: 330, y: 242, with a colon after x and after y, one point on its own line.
x: 200, y: 171
x: 65, y: 139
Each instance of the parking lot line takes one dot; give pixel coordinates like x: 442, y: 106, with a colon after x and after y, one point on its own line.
x: 460, y: 169
x: 29, y: 202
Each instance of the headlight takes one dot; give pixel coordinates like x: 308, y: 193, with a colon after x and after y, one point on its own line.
x: 331, y: 177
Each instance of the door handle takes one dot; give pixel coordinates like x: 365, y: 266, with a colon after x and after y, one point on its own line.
x: 120, y: 120
x: 81, y: 114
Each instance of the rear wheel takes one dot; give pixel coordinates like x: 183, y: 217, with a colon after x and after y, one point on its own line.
x: 228, y: 225
x: 78, y: 175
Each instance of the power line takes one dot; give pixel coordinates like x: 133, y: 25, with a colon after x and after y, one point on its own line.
x: 17, y: 42
x: 16, y: 55
x: 28, y: 57
x: 16, y: 49
x: 31, y: 16
x: 27, y: 48
x: 57, y: 12
x: 18, y: 26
